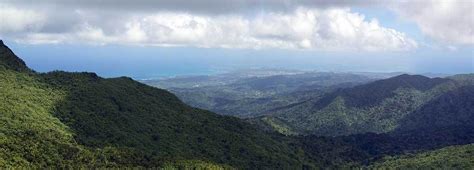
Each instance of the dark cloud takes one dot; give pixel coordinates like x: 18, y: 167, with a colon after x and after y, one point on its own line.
x: 195, y: 6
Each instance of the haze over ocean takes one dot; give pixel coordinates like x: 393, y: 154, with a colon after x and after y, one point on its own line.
x: 149, y: 62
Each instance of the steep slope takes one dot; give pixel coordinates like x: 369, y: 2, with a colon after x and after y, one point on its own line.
x: 378, y: 107
x: 9, y: 60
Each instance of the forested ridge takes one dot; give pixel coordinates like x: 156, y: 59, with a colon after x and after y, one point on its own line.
x: 381, y: 106
x: 449, y: 157
x: 65, y: 119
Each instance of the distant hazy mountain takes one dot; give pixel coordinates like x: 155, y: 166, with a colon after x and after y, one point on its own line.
x: 245, y: 94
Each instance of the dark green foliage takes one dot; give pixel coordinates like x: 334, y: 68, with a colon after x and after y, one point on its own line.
x: 29, y: 134
x: 195, y: 165
x: 10, y: 61
x: 371, y: 94
x: 123, y: 113
x: 374, y: 93
x: 450, y: 157
x: 370, y: 147
x: 454, y: 108
x: 62, y: 119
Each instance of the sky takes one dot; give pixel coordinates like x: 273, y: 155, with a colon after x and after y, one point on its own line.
x: 160, y: 38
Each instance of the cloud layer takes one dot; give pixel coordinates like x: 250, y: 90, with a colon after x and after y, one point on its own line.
x: 303, y: 28
x: 303, y: 24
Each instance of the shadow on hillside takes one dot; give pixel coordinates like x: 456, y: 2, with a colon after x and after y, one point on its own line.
x: 454, y: 108
x: 444, y: 121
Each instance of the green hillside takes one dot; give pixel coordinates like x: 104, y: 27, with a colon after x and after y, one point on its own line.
x: 123, y: 113
x: 453, y: 108
x: 379, y: 107
x: 449, y: 157
x: 29, y: 133
x: 68, y: 119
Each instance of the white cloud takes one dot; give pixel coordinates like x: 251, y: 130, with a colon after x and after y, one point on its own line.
x: 445, y: 21
x: 18, y: 20
x: 320, y: 29
x: 302, y: 24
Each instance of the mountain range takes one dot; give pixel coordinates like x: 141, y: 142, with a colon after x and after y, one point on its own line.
x: 81, y: 120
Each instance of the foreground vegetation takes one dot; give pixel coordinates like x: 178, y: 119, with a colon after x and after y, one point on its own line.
x: 449, y: 157
x: 69, y: 119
